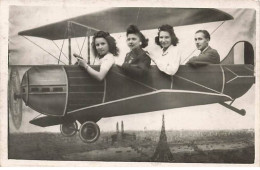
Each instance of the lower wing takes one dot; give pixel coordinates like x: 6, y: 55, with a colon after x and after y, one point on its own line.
x: 148, y: 102
x: 153, y: 101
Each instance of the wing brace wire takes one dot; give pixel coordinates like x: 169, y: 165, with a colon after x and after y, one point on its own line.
x: 88, y: 28
x: 196, y: 49
x: 43, y: 49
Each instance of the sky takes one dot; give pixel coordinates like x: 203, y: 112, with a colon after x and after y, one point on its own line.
x: 212, y: 117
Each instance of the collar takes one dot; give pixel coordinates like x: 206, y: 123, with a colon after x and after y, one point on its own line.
x: 137, y: 51
x: 205, y: 49
x: 166, y: 51
x: 101, y: 58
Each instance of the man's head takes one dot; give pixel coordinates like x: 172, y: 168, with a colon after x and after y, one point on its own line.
x: 202, y: 38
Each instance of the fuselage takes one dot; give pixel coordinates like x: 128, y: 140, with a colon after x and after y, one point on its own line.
x: 56, y: 90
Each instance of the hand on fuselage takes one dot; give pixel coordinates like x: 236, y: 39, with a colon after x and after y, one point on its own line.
x: 83, y: 63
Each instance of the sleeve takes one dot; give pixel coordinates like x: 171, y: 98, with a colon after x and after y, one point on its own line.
x: 170, y: 64
x: 107, y: 63
x: 211, y: 57
x: 145, y: 62
x: 139, y: 68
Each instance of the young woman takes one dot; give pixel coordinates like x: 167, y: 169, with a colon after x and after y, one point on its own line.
x: 169, y: 59
x: 104, y: 46
x: 137, y: 60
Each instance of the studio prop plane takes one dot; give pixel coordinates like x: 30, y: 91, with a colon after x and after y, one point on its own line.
x: 67, y: 95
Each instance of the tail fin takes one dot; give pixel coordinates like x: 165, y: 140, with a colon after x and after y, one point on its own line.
x: 242, y: 52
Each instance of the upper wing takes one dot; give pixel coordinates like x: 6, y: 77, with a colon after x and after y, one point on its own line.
x: 116, y: 20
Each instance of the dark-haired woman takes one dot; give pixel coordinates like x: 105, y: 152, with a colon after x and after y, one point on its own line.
x: 137, y: 61
x: 169, y: 59
x: 103, y: 46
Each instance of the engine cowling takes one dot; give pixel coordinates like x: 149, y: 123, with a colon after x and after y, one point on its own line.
x: 44, y: 89
x: 55, y: 90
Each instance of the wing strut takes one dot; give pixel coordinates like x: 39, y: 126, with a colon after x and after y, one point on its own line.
x: 69, y: 38
x: 70, y: 31
x: 88, y: 50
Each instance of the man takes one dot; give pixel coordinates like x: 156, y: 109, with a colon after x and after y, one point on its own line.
x: 207, y: 55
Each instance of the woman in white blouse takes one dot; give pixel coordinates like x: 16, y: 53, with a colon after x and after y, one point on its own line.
x: 103, y: 46
x: 169, y: 59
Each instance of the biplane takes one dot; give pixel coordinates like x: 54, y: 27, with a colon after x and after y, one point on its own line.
x: 66, y: 94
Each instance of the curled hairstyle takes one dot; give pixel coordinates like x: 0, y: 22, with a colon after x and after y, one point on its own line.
x: 205, y: 32
x: 132, y: 29
x: 110, y: 41
x: 169, y: 29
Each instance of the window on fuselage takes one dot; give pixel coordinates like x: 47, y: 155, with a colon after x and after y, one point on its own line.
x: 45, y: 89
x: 57, y: 89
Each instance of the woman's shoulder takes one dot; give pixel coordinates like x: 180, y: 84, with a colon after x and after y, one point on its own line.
x: 172, y: 51
x: 108, y: 57
x: 173, y: 48
x: 144, y: 53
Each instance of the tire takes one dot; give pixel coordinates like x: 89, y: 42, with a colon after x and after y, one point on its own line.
x: 89, y: 132
x: 69, y: 129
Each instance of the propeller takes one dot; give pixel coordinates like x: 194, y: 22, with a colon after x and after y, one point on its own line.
x: 14, y: 98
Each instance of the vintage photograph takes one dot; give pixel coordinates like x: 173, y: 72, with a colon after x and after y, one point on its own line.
x: 132, y: 84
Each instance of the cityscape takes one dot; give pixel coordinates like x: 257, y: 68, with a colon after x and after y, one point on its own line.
x: 180, y: 146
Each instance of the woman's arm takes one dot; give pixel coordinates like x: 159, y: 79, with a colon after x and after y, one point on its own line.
x: 98, y: 75
x: 168, y: 65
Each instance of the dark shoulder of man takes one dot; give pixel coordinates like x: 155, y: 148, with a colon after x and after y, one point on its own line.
x: 215, y: 55
x: 213, y: 51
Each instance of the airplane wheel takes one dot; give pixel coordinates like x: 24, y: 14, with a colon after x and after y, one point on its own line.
x: 243, y: 112
x: 14, y: 98
x: 69, y: 129
x: 89, y: 132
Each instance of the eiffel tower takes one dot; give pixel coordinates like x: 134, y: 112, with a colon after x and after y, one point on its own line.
x: 162, y: 152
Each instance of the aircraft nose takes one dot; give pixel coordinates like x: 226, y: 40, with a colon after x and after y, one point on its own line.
x: 44, y: 88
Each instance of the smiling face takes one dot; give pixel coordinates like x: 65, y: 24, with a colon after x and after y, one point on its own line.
x: 133, y: 41
x: 165, y: 39
x: 101, y: 46
x: 200, y: 41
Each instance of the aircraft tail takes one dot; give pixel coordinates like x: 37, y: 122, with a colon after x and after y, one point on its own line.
x: 242, y: 52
